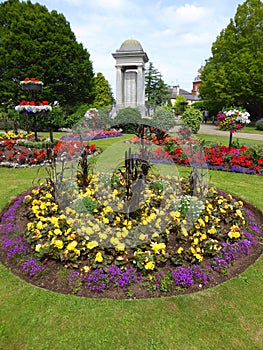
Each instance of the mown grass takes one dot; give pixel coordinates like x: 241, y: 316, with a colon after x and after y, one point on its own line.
x: 252, y: 130
x: 225, y: 317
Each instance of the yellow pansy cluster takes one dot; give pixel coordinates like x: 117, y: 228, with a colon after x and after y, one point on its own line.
x: 97, y: 226
x: 10, y: 135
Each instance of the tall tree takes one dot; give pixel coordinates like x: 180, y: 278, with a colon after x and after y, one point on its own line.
x: 233, y: 75
x: 40, y: 44
x: 103, y: 93
x: 155, y: 88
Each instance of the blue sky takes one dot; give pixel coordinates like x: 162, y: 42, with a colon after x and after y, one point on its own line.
x: 176, y: 35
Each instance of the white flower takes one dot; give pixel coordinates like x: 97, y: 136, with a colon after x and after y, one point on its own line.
x: 241, y: 117
x: 33, y: 109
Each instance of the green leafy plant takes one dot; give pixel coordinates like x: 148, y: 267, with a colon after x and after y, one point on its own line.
x: 192, y: 117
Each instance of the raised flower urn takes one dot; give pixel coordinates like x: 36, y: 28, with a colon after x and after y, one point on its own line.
x: 32, y: 106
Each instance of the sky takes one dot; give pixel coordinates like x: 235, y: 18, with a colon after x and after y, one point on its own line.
x: 176, y: 35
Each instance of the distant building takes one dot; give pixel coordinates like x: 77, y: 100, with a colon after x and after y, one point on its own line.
x: 177, y: 91
x: 190, y: 97
x: 197, y: 82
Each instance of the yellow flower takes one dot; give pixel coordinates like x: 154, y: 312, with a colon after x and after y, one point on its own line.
x: 233, y: 234
x: 175, y: 214
x: 125, y: 232
x: 115, y: 192
x: 57, y: 232
x: 39, y: 225
x: 107, y: 210
x: 180, y: 250
x: 99, y: 257
x: 114, y: 240
x: 239, y: 213
x: 35, y: 192
x: 152, y: 216
x: 149, y: 265
x: 144, y: 222
x: 212, y: 230
x: 86, y: 268
x: 70, y: 221
x: 203, y: 237
x: 27, y: 198
x: 48, y: 195
x: 43, y: 206
x: 54, y: 221
x: 102, y: 235
x: 58, y: 243
x: 120, y: 247
x: 30, y: 225
x: 155, y: 235
x: 142, y: 237
x: 156, y: 247
x: 184, y: 231
x: 38, y: 247
x: 201, y: 222
x: 196, y: 241
x: 72, y: 245
x: 92, y: 244
x: 199, y: 257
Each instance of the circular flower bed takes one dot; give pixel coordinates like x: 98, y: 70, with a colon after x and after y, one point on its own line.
x: 89, y: 249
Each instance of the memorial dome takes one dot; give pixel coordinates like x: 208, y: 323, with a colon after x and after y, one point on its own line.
x: 131, y: 45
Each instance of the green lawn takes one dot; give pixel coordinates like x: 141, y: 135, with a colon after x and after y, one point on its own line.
x: 226, y: 317
x: 252, y: 130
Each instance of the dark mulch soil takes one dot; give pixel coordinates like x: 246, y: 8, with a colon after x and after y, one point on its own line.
x: 56, y: 279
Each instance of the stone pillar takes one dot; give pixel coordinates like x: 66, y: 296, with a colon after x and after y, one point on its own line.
x: 119, y: 86
x: 140, y: 87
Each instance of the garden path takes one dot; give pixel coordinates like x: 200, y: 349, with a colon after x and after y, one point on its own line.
x: 211, y: 129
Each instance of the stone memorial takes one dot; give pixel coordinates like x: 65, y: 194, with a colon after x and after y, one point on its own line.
x: 130, y: 71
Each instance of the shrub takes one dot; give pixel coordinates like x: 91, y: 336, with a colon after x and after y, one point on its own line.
x: 192, y: 117
x: 163, y: 118
x: 259, y: 124
x: 128, y: 120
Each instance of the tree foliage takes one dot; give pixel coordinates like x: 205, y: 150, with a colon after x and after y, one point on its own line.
x: 233, y: 75
x: 103, y: 93
x: 40, y: 44
x: 155, y: 88
x: 179, y: 104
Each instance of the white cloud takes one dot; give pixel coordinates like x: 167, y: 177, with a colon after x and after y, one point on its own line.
x: 108, y: 4
x: 190, y: 13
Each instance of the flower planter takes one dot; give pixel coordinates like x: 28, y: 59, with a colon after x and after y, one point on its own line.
x: 36, y: 87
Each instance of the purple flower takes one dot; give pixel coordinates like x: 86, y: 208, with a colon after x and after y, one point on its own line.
x: 32, y: 268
